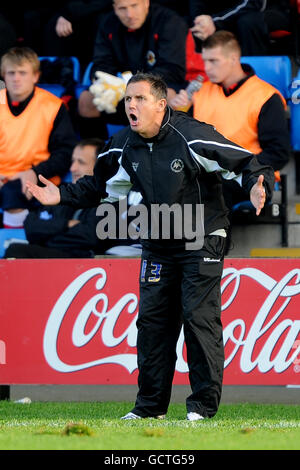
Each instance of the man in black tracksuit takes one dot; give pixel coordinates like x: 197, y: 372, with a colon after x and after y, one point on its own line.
x: 157, y: 46
x: 172, y: 159
x: 136, y: 36
x: 250, y: 20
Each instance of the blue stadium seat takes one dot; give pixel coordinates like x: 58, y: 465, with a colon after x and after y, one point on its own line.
x: 67, y: 177
x: 10, y: 234
x: 85, y: 82
x: 295, y: 125
x: 276, y: 70
x: 86, y: 76
x: 113, y: 128
x: 56, y: 88
x: 295, y: 112
x: 75, y: 62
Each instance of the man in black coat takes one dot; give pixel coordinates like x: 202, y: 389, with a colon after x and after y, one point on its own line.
x: 175, y: 162
x: 62, y: 231
x: 250, y: 20
x: 136, y: 36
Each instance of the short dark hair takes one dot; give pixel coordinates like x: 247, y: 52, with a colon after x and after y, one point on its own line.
x: 224, y: 39
x: 158, y: 86
x: 94, y: 142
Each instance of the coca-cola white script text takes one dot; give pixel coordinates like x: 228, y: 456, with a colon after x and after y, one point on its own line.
x: 266, y: 327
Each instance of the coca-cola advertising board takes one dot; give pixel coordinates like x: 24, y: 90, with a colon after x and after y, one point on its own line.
x: 74, y: 322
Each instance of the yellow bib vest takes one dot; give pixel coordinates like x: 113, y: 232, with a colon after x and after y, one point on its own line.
x: 24, y: 139
x: 235, y: 116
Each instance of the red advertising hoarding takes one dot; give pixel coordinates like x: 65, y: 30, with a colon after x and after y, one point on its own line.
x: 73, y: 322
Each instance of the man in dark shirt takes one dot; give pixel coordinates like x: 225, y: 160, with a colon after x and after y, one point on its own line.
x: 65, y: 232
x: 173, y: 160
x: 63, y: 31
x: 136, y: 36
x: 250, y: 20
x: 62, y: 231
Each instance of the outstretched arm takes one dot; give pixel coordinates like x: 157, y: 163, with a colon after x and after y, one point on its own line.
x: 258, y: 194
x: 48, y: 195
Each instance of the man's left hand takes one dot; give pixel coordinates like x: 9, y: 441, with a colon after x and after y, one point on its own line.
x: 258, y: 194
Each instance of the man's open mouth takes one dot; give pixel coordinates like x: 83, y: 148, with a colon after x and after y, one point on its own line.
x: 133, y: 117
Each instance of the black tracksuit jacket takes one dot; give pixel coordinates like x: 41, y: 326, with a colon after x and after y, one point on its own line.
x: 157, y: 47
x: 197, y: 149
x: 224, y: 12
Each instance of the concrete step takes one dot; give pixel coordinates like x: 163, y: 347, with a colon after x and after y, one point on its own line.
x: 266, y: 238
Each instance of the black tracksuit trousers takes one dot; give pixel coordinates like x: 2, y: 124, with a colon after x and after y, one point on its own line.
x: 175, y: 289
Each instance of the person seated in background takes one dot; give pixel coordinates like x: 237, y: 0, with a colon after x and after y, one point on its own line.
x: 241, y: 106
x: 8, y: 28
x: 245, y: 19
x: 36, y: 134
x: 59, y: 231
x: 181, y: 8
x: 65, y: 29
x: 135, y: 36
x: 62, y: 231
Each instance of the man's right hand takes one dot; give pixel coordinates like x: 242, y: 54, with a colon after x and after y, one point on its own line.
x: 48, y: 195
x: 63, y: 27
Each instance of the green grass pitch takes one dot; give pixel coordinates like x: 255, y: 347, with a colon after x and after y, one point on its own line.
x: 97, y: 426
